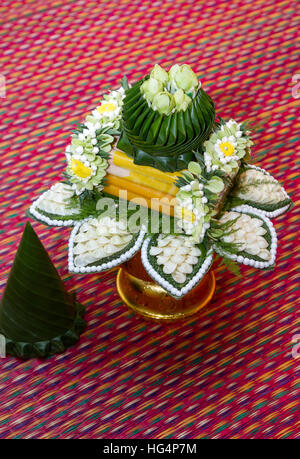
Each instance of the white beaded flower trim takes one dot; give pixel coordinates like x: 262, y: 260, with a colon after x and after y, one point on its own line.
x: 106, y: 265
x: 34, y: 210
x: 276, y: 212
x: 173, y: 291
x: 248, y: 261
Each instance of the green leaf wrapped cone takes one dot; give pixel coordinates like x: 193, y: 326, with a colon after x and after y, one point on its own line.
x: 165, y: 117
x: 38, y: 317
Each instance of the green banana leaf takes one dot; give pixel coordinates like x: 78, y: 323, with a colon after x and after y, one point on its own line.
x: 163, y: 132
x: 154, y: 130
x: 191, y: 133
x: 38, y: 317
x: 168, y: 140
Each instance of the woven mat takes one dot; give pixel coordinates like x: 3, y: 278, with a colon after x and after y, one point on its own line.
x: 228, y: 373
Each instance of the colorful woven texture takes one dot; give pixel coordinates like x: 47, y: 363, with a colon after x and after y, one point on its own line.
x: 230, y: 371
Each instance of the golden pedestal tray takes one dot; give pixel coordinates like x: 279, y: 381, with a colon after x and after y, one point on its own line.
x: 143, y: 296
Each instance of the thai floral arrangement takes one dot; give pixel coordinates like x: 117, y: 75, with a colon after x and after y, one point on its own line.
x: 152, y: 169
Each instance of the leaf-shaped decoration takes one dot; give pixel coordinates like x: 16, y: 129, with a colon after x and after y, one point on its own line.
x: 52, y: 207
x: 251, y: 239
x: 176, y: 263
x: 257, y: 188
x: 98, y: 244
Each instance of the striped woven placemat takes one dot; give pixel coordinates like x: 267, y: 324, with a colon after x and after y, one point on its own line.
x: 228, y: 373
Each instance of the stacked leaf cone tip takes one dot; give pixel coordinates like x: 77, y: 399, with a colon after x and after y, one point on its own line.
x: 161, y: 129
x: 38, y: 317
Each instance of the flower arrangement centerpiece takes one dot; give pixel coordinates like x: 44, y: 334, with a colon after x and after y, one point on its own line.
x: 152, y: 169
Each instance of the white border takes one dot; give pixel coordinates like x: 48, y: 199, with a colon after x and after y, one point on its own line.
x: 164, y: 283
x: 276, y: 212
x: 108, y: 265
x: 51, y: 222
x: 245, y: 209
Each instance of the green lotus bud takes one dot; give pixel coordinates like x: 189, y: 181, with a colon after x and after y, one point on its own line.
x: 172, y: 73
x: 163, y: 102
x: 182, y: 101
x: 159, y: 74
x: 179, y: 98
x: 151, y: 87
x: 183, y: 77
x: 194, y: 168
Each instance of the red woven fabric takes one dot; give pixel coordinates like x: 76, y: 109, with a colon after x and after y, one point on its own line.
x: 230, y: 371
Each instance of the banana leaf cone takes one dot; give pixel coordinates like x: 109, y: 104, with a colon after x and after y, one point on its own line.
x: 38, y: 317
x: 165, y: 142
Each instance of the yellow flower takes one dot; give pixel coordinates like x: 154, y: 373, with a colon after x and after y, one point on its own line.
x: 227, y: 148
x: 106, y: 107
x: 80, y: 169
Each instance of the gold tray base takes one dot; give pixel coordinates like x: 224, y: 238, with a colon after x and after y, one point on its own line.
x: 145, y: 297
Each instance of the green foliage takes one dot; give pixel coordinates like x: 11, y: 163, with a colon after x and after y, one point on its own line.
x: 79, y: 129
x: 124, y: 82
x: 87, y: 201
x: 229, y: 264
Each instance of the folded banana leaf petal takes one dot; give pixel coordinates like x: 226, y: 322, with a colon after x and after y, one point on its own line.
x: 124, y: 144
x: 37, y: 315
x: 181, y: 133
x: 142, y: 119
x: 154, y: 130
x: 132, y: 92
x: 134, y: 114
x: 146, y: 126
x: 133, y: 95
x: 172, y: 137
x: 175, y: 262
x: 191, y: 133
x: 162, y: 137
